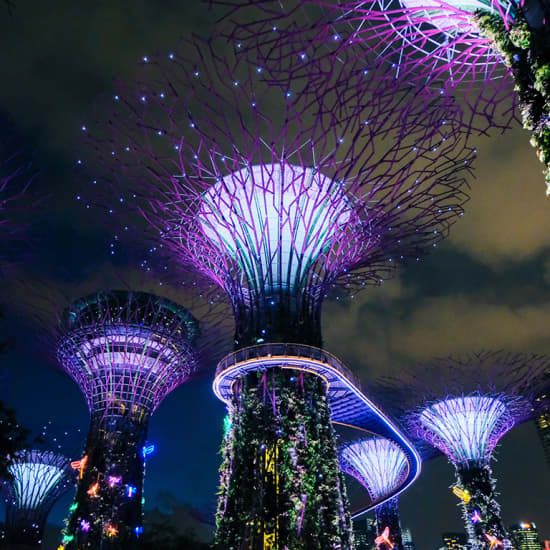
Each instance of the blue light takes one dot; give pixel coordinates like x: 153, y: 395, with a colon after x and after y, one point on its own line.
x: 147, y: 450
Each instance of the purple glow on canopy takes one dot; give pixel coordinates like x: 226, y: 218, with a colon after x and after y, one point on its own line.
x: 378, y: 464
x: 127, y: 349
x: 464, y: 405
x: 466, y: 428
x: 386, y: 184
x: 288, y: 214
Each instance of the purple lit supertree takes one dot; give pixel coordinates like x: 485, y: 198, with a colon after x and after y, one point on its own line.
x: 380, y: 466
x: 126, y: 351
x: 278, y: 202
x: 479, y: 50
x: 38, y: 479
x: 463, y: 407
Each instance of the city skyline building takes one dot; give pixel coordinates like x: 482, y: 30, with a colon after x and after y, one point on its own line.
x: 542, y: 420
x: 454, y: 541
x: 39, y: 479
x: 126, y: 351
x: 364, y: 533
x: 379, y: 465
x: 281, y: 203
x: 525, y: 536
x: 406, y: 535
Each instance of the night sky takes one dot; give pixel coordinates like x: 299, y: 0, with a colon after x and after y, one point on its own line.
x: 487, y: 287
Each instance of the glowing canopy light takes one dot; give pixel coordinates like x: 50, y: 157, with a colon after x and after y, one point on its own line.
x: 274, y: 220
x: 127, y: 349
x: 38, y: 479
x: 378, y: 464
x: 33, y: 481
x: 466, y: 428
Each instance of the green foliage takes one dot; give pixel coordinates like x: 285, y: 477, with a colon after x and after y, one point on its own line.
x: 478, y: 481
x: 527, y: 52
x: 280, y: 476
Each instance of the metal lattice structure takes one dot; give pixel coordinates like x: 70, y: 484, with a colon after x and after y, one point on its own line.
x: 126, y: 351
x: 39, y: 479
x: 430, y: 44
x: 467, y: 428
x: 280, y: 201
x: 490, y: 54
x: 463, y: 406
x: 380, y: 466
x: 276, y: 201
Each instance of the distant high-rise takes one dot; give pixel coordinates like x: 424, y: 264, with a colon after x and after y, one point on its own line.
x: 525, y: 536
x: 364, y: 533
x: 406, y: 538
x: 455, y: 541
x: 543, y: 422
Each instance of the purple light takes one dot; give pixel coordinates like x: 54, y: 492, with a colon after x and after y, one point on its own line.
x: 15, y: 178
x: 289, y: 214
x: 85, y: 525
x: 434, y: 44
x: 463, y: 406
x: 113, y: 480
x: 378, y: 464
x: 466, y: 428
x: 280, y: 203
x: 115, y: 337
x: 218, y: 201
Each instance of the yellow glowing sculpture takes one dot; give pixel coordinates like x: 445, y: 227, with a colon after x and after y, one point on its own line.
x: 462, y: 494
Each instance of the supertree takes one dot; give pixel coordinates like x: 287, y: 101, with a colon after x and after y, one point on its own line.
x: 481, y: 51
x: 278, y: 202
x: 37, y: 479
x: 126, y: 351
x: 463, y: 406
x: 380, y: 466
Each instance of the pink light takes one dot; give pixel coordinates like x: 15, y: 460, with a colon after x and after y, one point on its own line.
x: 476, y: 517
x: 494, y: 542
x: 113, y: 480
x: 384, y: 538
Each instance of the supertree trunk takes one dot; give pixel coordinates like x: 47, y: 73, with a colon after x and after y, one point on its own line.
x: 481, y: 510
x: 281, y: 483
x: 107, y: 511
x: 25, y: 527
x: 387, y: 516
